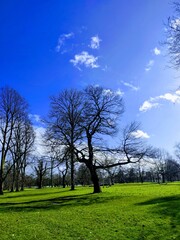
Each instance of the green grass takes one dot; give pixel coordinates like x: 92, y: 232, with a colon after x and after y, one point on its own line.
x: 126, y: 211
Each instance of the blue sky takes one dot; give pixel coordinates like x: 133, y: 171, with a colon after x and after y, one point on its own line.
x: 50, y: 45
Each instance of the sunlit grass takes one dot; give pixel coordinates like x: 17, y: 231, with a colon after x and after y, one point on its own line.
x: 127, y: 211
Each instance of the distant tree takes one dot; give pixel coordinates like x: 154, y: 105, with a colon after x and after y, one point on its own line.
x: 12, y: 108
x: 63, y: 172
x: 141, y: 171
x: 161, y: 159
x: 41, y: 170
x: 83, y: 176
x: 173, y: 36
x: 177, y: 151
x: 172, y: 170
x: 54, y: 154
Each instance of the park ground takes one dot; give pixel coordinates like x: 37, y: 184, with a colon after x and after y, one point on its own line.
x: 120, y: 212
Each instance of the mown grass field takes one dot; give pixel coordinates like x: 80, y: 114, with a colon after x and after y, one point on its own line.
x: 125, y: 211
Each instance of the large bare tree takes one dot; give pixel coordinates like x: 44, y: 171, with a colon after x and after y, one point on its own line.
x: 101, y: 110
x: 81, y: 121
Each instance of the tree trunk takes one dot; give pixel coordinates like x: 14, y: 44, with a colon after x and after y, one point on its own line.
x: 1, y: 174
x: 17, y: 178
x: 1, y: 185
x: 72, y: 168
x: 22, y: 179
x: 163, y: 177
x: 40, y: 181
x: 72, y: 171
x: 51, y: 173
x: 63, y: 180
x: 94, y: 178
x: 13, y: 178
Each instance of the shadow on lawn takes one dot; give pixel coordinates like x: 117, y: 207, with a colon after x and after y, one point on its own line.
x: 166, y: 206
x: 29, y: 194
x: 55, y: 203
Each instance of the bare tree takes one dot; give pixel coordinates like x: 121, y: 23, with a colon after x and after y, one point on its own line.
x: 161, y: 158
x: 63, y: 170
x: 12, y: 108
x: 177, y: 151
x: 173, y: 36
x: 21, y: 147
x: 64, y: 123
x: 83, y: 176
x: 79, y: 121
x: 101, y: 110
x: 41, y: 170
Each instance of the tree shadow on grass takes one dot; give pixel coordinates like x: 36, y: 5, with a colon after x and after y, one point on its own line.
x: 166, y: 207
x: 29, y: 194
x: 55, y: 203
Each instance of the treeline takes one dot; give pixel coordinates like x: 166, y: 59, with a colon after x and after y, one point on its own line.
x: 168, y: 171
x: 78, y: 128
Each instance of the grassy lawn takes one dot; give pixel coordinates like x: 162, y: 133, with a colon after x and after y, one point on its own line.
x: 126, y: 211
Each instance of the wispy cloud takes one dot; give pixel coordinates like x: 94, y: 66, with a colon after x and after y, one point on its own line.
x: 109, y: 92
x: 62, y: 39
x: 134, y: 88
x: 156, y: 51
x: 154, y: 101
x: 85, y: 59
x: 119, y: 92
x: 140, y: 134
x: 95, y: 42
x: 149, y: 65
x: 35, y: 118
x: 147, y: 105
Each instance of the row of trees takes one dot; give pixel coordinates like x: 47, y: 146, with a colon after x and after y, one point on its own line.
x: 159, y: 171
x: 79, y: 127
x: 75, y: 129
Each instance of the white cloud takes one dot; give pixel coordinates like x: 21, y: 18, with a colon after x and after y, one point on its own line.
x: 149, y: 65
x: 35, y: 118
x: 119, y: 92
x: 95, y: 42
x: 156, y: 51
x: 175, y: 23
x: 154, y: 102
x: 140, y: 134
x: 85, y: 59
x: 147, y: 105
x: 40, y: 149
x: 178, y: 92
x: 174, y: 98
x: 107, y: 92
x: 62, y: 39
x: 130, y: 86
